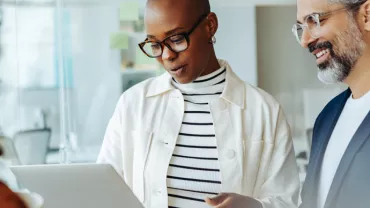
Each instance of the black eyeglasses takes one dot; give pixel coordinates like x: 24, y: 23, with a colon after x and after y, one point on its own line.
x: 176, y: 43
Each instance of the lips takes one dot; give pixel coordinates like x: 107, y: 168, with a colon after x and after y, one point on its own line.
x: 319, y: 53
x: 174, y: 69
x: 314, y: 47
x: 178, y: 71
x: 320, y: 49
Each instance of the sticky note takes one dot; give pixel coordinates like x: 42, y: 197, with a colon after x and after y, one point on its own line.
x: 119, y: 40
x: 129, y: 11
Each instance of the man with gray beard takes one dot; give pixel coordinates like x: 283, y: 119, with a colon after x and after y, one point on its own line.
x: 337, y: 33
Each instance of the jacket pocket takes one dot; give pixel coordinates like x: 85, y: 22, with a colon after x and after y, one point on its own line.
x: 258, y: 159
x: 254, y: 150
x: 142, y: 141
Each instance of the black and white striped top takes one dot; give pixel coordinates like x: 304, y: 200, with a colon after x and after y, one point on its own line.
x: 194, y: 169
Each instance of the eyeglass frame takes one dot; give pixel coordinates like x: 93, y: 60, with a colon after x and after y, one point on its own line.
x: 163, y: 42
x: 318, y: 16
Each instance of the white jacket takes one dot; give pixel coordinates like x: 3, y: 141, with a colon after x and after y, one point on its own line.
x: 255, y: 149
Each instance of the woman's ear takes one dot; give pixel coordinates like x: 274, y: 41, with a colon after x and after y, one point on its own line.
x: 212, y: 24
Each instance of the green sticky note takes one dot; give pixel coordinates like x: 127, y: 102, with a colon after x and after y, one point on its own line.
x: 129, y: 11
x: 119, y: 40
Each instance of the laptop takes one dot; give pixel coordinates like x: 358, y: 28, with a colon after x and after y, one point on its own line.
x: 77, y: 186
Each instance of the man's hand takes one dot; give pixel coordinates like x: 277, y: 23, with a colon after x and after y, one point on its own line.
x: 9, y: 199
x: 231, y: 200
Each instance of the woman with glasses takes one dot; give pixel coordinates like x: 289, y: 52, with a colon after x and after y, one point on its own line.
x: 198, y: 136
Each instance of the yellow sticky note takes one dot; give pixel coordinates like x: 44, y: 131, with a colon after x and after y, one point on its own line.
x: 119, y: 40
x: 129, y: 11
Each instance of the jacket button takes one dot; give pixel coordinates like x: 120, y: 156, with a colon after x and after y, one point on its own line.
x: 230, y: 154
x: 158, y: 192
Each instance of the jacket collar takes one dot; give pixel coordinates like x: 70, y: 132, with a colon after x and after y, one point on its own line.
x: 234, y: 91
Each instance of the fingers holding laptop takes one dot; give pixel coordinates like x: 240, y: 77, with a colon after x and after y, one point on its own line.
x: 232, y: 200
x: 9, y: 199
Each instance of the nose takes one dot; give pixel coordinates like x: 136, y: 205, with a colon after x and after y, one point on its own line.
x: 306, y: 38
x: 167, y: 54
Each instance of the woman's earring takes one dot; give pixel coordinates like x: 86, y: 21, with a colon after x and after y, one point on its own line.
x: 213, y: 40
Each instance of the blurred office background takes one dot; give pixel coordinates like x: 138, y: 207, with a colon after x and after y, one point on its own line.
x: 64, y: 64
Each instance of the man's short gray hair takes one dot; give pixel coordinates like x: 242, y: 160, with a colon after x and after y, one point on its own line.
x: 347, y: 2
x: 352, y: 5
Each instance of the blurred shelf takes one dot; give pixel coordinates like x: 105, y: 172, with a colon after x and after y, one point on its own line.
x: 84, y: 155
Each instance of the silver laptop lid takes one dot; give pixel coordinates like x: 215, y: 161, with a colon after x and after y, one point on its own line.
x: 77, y: 186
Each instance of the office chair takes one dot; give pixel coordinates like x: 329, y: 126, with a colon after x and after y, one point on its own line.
x: 32, y: 146
x: 9, y: 152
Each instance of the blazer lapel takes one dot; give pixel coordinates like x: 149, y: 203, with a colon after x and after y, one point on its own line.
x: 323, y: 136
x: 361, y: 135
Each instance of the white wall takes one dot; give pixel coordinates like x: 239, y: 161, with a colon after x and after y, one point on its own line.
x: 213, y: 2
x: 26, y: 61
x: 252, y: 2
x: 236, y: 39
x: 96, y: 70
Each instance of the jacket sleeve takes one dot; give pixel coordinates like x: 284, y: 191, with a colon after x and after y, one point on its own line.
x: 281, y: 186
x: 111, y: 150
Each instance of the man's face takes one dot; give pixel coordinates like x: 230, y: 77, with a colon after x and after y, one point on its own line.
x: 338, y: 44
x: 165, y: 19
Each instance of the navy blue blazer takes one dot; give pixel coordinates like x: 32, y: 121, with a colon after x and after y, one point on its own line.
x: 351, y: 184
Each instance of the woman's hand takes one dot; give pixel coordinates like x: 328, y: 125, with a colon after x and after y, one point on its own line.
x: 232, y: 200
x: 8, y: 199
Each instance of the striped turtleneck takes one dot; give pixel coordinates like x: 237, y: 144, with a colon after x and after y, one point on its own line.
x: 194, y: 169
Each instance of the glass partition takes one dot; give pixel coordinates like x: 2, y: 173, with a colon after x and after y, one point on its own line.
x: 63, y: 66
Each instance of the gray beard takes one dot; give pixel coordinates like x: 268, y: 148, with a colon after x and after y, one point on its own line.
x: 341, y: 63
x: 332, y: 74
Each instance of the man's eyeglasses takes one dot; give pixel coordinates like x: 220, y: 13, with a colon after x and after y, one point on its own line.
x: 176, y: 43
x: 312, y: 22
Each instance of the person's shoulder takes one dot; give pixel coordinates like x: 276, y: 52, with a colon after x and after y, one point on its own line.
x: 337, y: 100
x: 259, y: 96
x: 253, y: 96
x: 140, y: 88
x: 139, y: 91
x: 334, y: 104
x: 328, y: 113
